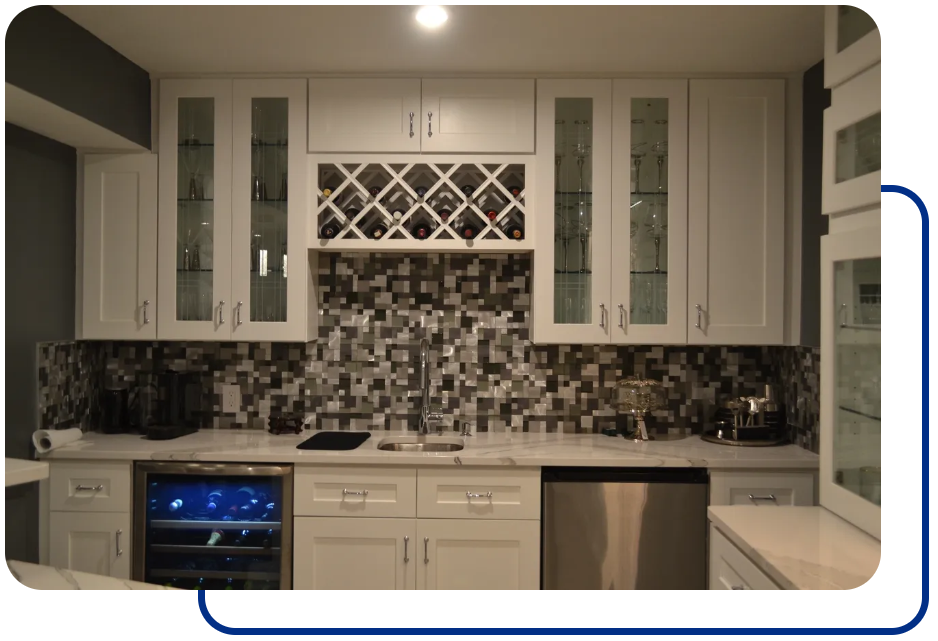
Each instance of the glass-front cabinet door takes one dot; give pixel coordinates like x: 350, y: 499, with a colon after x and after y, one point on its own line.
x: 649, y: 228
x: 851, y: 43
x: 269, y: 266
x: 851, y: 412
x: 195, y: 209
x: 573, y: 167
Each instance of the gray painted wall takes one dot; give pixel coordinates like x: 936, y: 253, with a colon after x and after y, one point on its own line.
x: 54, y: 58
x: 40, y: 299
x: 815, y: 100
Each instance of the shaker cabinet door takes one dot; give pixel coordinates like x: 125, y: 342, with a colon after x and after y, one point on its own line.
x: 736, y: 226
x: 364, y: 115
x: 477, y: 116
x: 118, y: 294
x: 94, y: 542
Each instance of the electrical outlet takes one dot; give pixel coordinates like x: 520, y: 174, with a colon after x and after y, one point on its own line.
x: 230, y: 399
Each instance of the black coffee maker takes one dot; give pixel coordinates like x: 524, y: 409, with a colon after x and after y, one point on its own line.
x: 181, y: 399
x: 115, y: 417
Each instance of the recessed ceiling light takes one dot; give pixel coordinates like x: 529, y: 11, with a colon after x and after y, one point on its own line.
x: 432, y: 16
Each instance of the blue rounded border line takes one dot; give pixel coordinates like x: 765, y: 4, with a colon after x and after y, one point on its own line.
x: 696, y: 631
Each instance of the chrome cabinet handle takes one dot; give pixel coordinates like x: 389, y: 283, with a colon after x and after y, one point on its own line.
x: 117, y: 538
x: 426, y: 549
x: 470, y: 495
x: 238, y: 311
x: 429, y: 124
x: 411, y: 124
x: 221, y: 312
x: 406, y: 541
x: 89, y: 488
x: 699, y: 312
x: 146, y: 317
x: 843, y: 314
x: 602, y: 315
x: 354, y: 492
x: 621, y: 316
x: 767, y: 497
x: 737, y: 587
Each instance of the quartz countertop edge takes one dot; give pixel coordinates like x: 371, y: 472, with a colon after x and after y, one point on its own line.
x: 520, y: 449
x: 46, y: 577
x: 800, y: 548
x: 20, y: 471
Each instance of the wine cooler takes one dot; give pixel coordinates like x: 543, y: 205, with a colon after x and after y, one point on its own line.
x: 213, y: 526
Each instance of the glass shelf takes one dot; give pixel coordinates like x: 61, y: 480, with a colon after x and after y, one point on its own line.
x: 863, y: 414
x: 190, y: 145
x: 194, y: 200
x: 195, y: 271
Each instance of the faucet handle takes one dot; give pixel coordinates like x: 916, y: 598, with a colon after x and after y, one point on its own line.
x: 466, y: 429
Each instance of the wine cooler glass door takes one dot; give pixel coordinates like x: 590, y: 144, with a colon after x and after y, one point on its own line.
x: 225, y: 532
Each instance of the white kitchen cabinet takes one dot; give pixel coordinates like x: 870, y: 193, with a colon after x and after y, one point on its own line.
x: 649, y: 150
x: 364, y: 115
x: 354, y: 554
x: 851, y: 43
x: 477, y: 115
x: 194, y: 259
x: 730, y: 569
x: 95, y: 542
x: 851, y: 149
x: 457, y: 554
x: 736, y: 226
x: 118, y: 294
x: 572, y: 268
x: 233, y: 261
x: 765, y: 488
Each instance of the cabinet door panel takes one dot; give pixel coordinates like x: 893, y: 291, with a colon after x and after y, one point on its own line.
x: 119, y: 256
x: 195, y: 210
x: 488, y: 116
x: 571, y: 302
x: 478, y: 555
x: 851, y: 43
x: 354, y: 554
x: 737, y: 205
x: 94, y: 542
x: 649, y: 230
x: 364, y: 115
x: 269, y: 211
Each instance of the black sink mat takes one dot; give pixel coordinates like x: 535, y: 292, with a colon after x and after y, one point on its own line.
x: 334, y: 441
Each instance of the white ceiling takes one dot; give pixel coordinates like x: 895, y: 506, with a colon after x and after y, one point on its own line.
x: 168, y: 40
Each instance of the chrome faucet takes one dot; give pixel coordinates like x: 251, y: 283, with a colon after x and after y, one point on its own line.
x: 425, y: 414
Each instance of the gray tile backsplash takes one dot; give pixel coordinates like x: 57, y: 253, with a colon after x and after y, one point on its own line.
x: 362, y: 371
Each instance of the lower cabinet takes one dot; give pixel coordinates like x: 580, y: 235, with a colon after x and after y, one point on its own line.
x: 405, y: 554
x: 95, y: 542
x: 730, y: 569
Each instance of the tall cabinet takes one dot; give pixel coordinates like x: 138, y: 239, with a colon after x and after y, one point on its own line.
x: 233, y: 263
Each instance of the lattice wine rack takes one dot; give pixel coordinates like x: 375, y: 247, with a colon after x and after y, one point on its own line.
x: 422, y: 203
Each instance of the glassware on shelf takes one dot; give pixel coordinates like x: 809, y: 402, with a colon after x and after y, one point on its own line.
x: 282, y: 151
x: 638, y: 396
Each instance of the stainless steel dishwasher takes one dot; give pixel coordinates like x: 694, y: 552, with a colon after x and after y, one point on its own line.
x: 624, y: 529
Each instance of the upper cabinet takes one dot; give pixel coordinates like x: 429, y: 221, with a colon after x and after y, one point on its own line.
x: 735, y: 253
x: 851, y: 43
x: 353, y: 114
x: 233, y: 263
x: 118, y: 296
x: 408, y: 115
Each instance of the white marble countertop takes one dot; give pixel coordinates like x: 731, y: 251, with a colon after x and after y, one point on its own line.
x: 800, y: 548
x: 483, y: 449
x: 21, y: 471
x: 46, y: 577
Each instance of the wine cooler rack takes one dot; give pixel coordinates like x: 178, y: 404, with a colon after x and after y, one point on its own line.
x: 411, y: 204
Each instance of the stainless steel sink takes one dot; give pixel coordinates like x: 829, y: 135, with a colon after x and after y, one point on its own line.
x: 421, y: 444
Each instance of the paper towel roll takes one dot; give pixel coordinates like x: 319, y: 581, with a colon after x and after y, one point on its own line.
x: 46, y: 440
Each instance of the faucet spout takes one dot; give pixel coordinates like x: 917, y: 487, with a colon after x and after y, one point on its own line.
x: 425, y: 414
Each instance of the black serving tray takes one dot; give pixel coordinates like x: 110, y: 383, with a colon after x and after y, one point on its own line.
x: 334, y: 441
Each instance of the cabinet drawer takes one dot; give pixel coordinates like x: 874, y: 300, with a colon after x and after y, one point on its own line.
x: 495, y: 494
x: 769, y: 488
x: 730, y: 569
x: 347, y: 491
x: 89, y: 487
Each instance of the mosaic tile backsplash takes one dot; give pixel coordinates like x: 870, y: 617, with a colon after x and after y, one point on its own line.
x: 363, y: 373
x: 69, y: 375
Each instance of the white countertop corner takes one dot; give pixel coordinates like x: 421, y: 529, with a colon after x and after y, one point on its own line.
x: 20, y: 471
x: 46, y: 577
x: 800, y: 548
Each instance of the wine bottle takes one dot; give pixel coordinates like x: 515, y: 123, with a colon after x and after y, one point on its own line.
x: 468, y: 190
x: 268, y: 540
x: 330, y: 230
x: 242, y: 539
x: 375, y: 190
x: 217, y: 537
x: 444, y: 214
x: 328, y: 191
x: 421, y: 191
x: 492, y: 214
x: 515, y: 191
x: 175, y: 505
x: 213, y: 499
x: 421, y: 231
x: 378, y: 231
x: 469, y: 231
x: 515, y: 232
x: 397, y: 214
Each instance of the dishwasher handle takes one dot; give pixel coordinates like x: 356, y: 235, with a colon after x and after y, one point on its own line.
x: 624, y: 475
